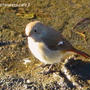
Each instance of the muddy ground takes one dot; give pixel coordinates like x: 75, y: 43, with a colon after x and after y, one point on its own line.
x: 18, y: 68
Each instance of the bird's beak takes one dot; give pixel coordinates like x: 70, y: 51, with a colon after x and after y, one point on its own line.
x: 28, y: 35
x: 25, y: 36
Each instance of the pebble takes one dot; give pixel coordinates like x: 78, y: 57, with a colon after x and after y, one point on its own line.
x: 28, y: 81
x: 26, y: 60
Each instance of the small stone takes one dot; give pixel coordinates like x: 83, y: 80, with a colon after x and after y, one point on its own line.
x: 25, y: 86
x: 26, y: 61
x: 28, y: 81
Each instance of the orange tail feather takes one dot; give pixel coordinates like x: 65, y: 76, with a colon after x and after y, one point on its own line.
x: 80, y: 53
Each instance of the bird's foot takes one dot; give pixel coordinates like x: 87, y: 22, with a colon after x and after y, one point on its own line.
x: 48, y: 71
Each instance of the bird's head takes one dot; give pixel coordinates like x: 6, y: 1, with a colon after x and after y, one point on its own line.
x: 35, y: 30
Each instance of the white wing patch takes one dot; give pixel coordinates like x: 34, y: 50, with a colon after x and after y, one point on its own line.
x: 60, y: 43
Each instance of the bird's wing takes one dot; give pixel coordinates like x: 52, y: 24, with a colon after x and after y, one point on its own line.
x: 56, y: 41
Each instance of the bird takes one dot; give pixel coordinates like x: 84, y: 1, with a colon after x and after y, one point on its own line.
x: 47, y: 44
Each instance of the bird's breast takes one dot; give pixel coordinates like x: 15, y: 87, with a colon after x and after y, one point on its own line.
x: 43, y: 53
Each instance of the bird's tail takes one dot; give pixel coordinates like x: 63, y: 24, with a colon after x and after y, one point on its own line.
x: 80, y: 53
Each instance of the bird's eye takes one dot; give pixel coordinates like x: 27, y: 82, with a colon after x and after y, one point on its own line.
x: 35, y: 30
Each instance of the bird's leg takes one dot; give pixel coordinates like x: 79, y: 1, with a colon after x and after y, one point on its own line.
x: 43, y: 66
x: 49, y: 70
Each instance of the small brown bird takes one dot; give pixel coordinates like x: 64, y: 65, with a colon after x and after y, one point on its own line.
x: 47, y: 44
